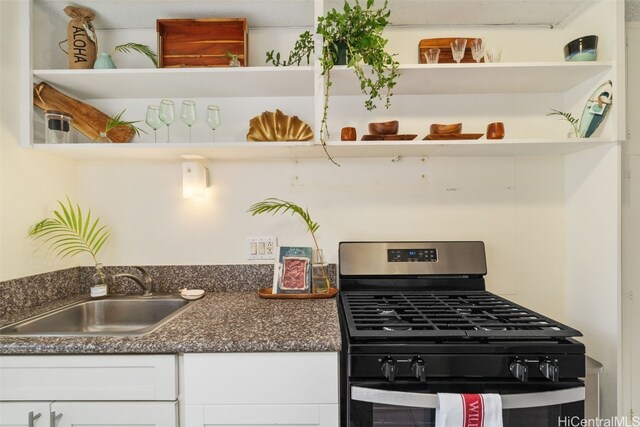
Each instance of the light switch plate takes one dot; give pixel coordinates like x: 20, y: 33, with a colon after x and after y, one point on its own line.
x: 261, y: 247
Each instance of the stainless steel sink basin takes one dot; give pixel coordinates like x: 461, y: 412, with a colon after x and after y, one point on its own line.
x: 109, y: 316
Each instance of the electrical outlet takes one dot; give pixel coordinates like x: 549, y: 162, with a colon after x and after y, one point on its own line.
x: 261, y: 247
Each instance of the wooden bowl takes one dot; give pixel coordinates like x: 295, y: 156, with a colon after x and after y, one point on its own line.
x: 441, y: 129
x: 384, y: 128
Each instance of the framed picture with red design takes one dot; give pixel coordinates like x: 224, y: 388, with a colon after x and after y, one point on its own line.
x: 292, y: 270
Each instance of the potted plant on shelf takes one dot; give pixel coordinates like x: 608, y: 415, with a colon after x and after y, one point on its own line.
x: 68, y: 232
x: 574, y: 122
x: 351, y: 37
x: 117, y: 121
x: 273, y: 205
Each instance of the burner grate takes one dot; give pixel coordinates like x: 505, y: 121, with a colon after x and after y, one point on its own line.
x: 444, y: 314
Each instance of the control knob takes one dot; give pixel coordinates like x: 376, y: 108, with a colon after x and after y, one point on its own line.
x: 389, y: 369
x: 549, y: 370
x: 419, y: 369
x: 519, y: 370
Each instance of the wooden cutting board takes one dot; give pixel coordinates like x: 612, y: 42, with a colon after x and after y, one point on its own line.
x: 445, y: 50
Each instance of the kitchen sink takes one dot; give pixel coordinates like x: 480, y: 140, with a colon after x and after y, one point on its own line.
x: 125, y: 315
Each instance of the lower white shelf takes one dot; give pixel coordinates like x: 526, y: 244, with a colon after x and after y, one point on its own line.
x: 307, y: 150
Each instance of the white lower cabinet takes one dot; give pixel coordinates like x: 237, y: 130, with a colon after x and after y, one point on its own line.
x: 261, y: 389
x: 66, y: 391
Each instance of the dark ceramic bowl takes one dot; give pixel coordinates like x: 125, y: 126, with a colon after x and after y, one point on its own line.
x: 582, y: 49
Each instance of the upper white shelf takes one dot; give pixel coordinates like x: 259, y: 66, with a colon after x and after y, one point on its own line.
x: 118, y: 14
x: 514, y: 77
x: 182, y: 82
x: 142, y: 14
x: 551, y: 13
x: 305, y: 150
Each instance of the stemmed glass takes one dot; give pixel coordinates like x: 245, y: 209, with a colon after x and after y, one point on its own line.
x: 457, y: 49
x: 153, y: 120
x: 213, y: 118
x: 477, y: 49
x: 167, y: 114
x: 188, y: 114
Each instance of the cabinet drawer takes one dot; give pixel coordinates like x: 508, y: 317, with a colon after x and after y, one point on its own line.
x: 261, y: 378
x: 130, y: 377
x: 114, y: 414
x: 261, y: 415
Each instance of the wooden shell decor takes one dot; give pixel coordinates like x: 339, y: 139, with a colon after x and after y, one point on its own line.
x: 270, y: 126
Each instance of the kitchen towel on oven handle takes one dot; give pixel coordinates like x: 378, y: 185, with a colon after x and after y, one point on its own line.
x: 469, y: 410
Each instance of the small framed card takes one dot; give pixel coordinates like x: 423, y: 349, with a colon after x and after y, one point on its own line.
x: 292, y: 270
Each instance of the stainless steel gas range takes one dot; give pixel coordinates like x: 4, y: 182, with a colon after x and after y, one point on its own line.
x: 417, y: 320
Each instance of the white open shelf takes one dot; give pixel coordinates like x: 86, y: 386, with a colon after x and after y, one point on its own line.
x: 182, y: 82
x: 338, y: 149
x: 472, y: 78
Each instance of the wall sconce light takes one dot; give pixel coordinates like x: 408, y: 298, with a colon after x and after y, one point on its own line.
x: 195, y: 180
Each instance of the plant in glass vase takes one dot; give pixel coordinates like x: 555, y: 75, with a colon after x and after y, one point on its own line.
x: 68, y: 232
x: 274, y: 205
x: 575, y: 123
x: 351, y: 37
x: 117, y: 121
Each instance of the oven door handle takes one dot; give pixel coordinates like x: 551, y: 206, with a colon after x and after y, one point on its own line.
x: 430, y: 401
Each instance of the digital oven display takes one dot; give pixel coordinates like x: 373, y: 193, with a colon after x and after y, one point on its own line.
x: 412, y: 255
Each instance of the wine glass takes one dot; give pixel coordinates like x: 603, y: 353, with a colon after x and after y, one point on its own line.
x: 188, y: 114
x: 477, y: 49
x: 153, y: 120
x: 213, y: 118
x: 167, y: 114
x: 457, y: 49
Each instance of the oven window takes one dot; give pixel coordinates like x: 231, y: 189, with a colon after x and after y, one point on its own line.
x: 376, y: 415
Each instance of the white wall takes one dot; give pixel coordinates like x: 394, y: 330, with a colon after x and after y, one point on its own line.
x: 29, y: 182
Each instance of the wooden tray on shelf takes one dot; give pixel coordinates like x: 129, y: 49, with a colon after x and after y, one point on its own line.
x: 267, y: 293
x: 402, y: 137
x: 452, y: 136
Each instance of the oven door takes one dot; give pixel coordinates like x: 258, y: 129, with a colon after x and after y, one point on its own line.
x: 411, y: 404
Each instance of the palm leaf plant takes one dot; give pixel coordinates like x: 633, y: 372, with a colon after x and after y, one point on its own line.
x: 140, y: 48
x: 116, y: 121
x: 574, y: 122
x: 68, y: 232
x: 274, y: 205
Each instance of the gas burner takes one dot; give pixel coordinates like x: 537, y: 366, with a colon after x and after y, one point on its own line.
x: 399, y: 325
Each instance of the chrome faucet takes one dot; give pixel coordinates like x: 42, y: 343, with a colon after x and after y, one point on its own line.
x: 146, y: 282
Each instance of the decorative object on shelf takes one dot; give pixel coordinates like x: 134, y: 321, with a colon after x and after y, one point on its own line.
x: 233, y: 60
x: 274, y: 205
x: 188, y: 114
x: 444, y: 44
x: 596, y: 109
x: 292, y: 270
x: 57, y: 127
x: 202, y: 42
x: 213, y: 119
x: 68, y: 233
x: 277, y: 126
x: 582, y: 49
x: 432, y: 55
x: 348, y: 134
x: 115, y: 122
x: 403, y: 137
x: 302, y: 50
x: 152, y: 119
x: 167, y: 114
x: 457, y: 49
x: 384, y: 128
x: 104, y: 62
x: 452, y: 136
x: 477, y: 50
x: 440, y: 129
x: 87, y: 119
x: 268, y: 293
x: 574, y: 122
x: 81, y: 38
x: 495, y: 130
x: 493, y: 54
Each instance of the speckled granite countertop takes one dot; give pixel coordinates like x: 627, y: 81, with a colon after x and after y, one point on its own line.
x: 219, y: 322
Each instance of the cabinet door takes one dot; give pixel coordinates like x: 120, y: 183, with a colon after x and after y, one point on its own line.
x: 27, y: 414
x: 149, y: 414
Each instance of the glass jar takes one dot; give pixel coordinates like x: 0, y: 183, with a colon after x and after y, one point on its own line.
x: 319, y: 274
x: 57, y: 127
x: 99, y: 283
